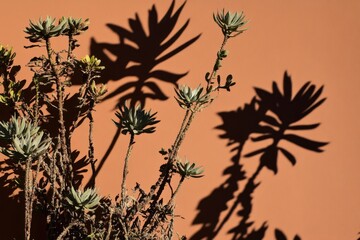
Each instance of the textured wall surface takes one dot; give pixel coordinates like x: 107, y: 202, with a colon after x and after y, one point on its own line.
x: 315, y: 41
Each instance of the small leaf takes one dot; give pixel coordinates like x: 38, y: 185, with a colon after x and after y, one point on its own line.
x: 279, y: 235
x: 288, y: 155
x: 304, y: 127
x: 305, y: 143
x: 297, y: 237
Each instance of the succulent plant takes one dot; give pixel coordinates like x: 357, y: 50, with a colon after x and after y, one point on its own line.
x: 97, y: 93
x: 188, y: 169
x: 230, y: 22
x: 28, y: 145
x: 44, y: 29
x: 90, y: 64
x: 135, y: 120
x: 6, y: 56
x: 16, y: 127
x: 74, y: 26
x: 13, y: 93
x: 187, y: 97
x: 83, y: 200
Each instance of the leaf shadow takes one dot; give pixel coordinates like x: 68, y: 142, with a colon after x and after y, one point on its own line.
x: 269, y: 117
x: 134, y: 61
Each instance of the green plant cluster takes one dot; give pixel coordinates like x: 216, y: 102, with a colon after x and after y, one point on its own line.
x: 37, y: 138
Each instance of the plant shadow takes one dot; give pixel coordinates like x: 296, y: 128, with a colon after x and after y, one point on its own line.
x: 270, y: 117
x: 134, y: 62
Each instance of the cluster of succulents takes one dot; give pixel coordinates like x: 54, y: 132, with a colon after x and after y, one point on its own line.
x: 95, y: 92
x: 14, y: 92
x: 135, y: 120
x: 46, y: 28
x: 26, y: 138
x: 6, y: 56
x: 16, y: 127
x: 90, y: 64
x: 75, y: 26
x: 83, y: 200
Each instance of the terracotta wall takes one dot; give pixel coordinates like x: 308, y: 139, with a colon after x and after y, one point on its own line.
x: 315, y: 41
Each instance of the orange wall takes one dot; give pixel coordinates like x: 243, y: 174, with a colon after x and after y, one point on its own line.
x: 313, y: 40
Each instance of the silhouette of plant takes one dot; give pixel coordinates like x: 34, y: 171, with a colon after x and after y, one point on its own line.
x: 279, y: 235
x: 269, y: 116
x: 141, y: 61
x: 288, y: 110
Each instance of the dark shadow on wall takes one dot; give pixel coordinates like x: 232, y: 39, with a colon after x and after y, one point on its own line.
x: 138, y: 54
x: 134, y: 61
x: 269, y: 119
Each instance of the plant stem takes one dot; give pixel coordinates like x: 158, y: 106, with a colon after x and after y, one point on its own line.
x: 33, y: 185
x: 110, y: 225
x: 28, y: 188
x: 176, y: 191
x: 36, y: 106
x: 82, y: 101
x: 91, y: 142
x: 215, y: 68
x: 70, y: 46
x: 181, y: 128
x: 166, y: 177
x: 125, y: 172
x: 60, y: 98
x: 67, y: 229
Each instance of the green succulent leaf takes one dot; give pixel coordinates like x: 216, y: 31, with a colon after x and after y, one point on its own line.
x: 83, y: 200
x: 187, y: 169
x: 188, y: 98
x: 231, y: 24
x: 44, y: 29
x: 135, y: 120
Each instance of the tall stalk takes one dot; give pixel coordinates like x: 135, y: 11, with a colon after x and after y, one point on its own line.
x: 217, y: 61
x: 91, y: 141
x: 164, y: 178
x: 125, y: 171
x: 60, y: 98
x: 28, y: 195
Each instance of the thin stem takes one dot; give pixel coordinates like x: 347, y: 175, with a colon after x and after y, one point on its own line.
x: 91, y: 141
x: 125, y: 171
x: 60, y: 98
x: 166, y: 177
x: 33, y: 185
x: 180, y: 133
x: 110, y: 225
x: 67, y: 229
x: 182, y: 127
x: 28, y: 187
x: 176, y: 191
x: 102, y: 162
x: 36, y: 106
x: 216, y: 67
x: 82, y: 101
x: 70, y: 46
